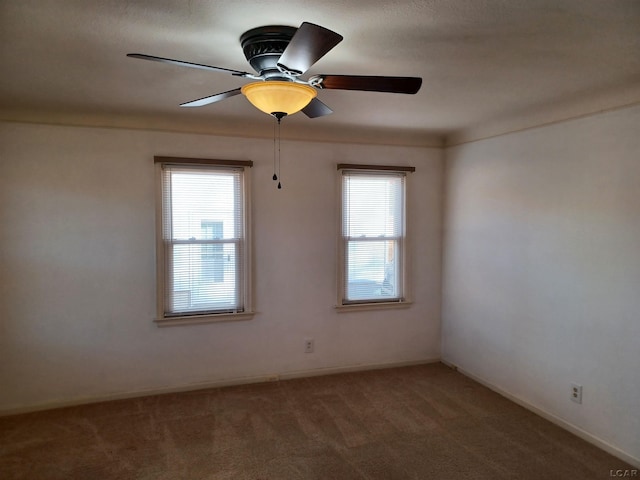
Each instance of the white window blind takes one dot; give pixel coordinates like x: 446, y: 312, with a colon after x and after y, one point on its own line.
x: 203, y: 240
x: 373, y: 230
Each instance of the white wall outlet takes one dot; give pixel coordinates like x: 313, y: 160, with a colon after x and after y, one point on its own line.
x: 308, y: 345
x: 576, y: 393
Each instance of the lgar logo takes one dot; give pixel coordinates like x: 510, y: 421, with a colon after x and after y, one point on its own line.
x: 623, y: 473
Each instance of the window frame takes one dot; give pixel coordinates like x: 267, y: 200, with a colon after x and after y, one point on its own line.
x: 162, y: 262
x: 404, y: 298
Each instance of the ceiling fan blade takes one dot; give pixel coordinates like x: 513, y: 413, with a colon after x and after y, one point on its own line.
x: 309, y: 44
x: 368, y: 83
x: 180, y: 63
x: 211, y: 98
x: 316, y: 109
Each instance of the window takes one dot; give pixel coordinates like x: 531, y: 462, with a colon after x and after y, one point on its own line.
x: 213, y: 259
x: 203, y: 247
x: 373, y: 240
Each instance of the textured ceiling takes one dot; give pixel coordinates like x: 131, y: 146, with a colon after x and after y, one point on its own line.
x: 487, y: 65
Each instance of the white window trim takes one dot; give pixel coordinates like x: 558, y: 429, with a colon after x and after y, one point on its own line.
x: 166, y: 321
x: 406, y: 300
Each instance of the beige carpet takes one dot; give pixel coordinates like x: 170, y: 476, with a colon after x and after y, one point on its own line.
x: 423, y: 422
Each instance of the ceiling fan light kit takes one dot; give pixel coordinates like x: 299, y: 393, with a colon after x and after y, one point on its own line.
x: 280, y: 55
x: 279, y: 98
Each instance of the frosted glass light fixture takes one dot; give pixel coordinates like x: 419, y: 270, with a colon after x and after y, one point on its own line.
x: 279, y: 98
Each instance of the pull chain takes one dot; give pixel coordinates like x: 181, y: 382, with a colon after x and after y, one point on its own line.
x: 276, y: 158
x: 279, y: 156
x: 275, y: 177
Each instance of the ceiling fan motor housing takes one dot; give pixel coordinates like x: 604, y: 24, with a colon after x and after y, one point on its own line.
x: 263, y: 46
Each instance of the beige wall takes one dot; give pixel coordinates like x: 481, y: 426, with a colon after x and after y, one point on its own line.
x: 542, y: 269
x: 77, y: 284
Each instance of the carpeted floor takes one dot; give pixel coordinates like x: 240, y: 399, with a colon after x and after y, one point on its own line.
x: 422, y: 422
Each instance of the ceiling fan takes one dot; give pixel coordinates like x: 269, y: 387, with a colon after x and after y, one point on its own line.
x: 281, y: 55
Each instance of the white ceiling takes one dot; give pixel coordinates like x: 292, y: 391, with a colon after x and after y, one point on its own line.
x: 487, y: 65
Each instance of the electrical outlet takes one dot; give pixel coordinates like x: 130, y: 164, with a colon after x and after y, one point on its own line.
x: 308, y: 345
x: 576, y: 393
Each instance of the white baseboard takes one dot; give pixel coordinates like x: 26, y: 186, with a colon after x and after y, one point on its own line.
x: 598, y: 442
x: 227, y: 382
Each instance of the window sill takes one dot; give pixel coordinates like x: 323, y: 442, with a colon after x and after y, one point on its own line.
x: 372, y: 306
x: 198, y: 319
